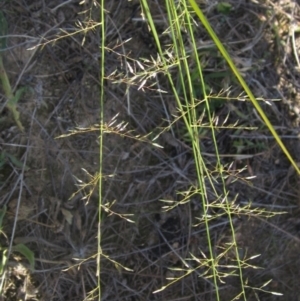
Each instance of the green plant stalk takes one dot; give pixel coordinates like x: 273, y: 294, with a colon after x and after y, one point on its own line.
x: 102, y: 75
x: 227, y: 57
x: 5, y: 81
x: 220, y: 167
x: 188, y: 114
x: 191, y: 121
x: 11, y: 99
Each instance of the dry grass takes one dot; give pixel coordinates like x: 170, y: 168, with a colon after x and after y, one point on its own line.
x: 159, y: 246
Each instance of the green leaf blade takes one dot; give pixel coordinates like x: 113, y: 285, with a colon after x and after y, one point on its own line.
x: 26, y: 252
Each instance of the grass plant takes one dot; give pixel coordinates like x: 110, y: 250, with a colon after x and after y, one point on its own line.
x: 162, y: 216
x: 177, y: 56
x: 180, y: 19
x: 12, y: 99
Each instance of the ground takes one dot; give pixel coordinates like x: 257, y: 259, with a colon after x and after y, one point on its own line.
x: 43, y: 170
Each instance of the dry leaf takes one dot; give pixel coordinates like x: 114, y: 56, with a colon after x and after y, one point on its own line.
x: 170, y: 139
x: 68, y: 215
x: 25, y: 210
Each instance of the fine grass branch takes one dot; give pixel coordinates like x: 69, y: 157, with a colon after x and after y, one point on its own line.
x: 180, y: 20
x: 208, y: 181
x: 178, y: 16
